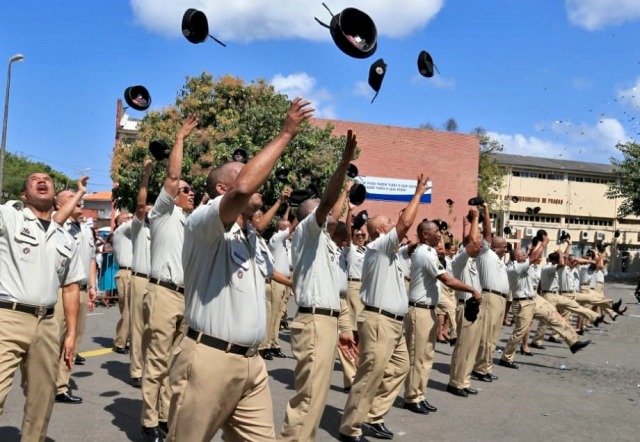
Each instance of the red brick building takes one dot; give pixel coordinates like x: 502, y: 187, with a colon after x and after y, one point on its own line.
x: 450, y: 160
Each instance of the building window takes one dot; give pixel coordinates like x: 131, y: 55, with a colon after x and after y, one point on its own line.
x: 590, y: 222
x: 590, y: 179
x: 539, y: 175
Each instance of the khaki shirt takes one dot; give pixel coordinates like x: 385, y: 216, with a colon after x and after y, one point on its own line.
x: 464, y: 269
x: 122, y: 245
x: 382, y: 278
x: 224, y: 278
x: 587, y: 274
x: 141, y: 243
x: 355, y: 257
x: 167, y: 221
x: 425, y: 269
x: 315, y: 266
x: 267, y: 256
x: 83, y: 236
x: 343, y: 269
x: 280, y: 247
x: 35, y: 263
x: 549, y: 278
x: 566, y: 279
x: 520, y: 279
x: 492, y: 270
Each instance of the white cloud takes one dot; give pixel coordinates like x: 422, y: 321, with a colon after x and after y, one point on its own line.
x: 436, y: 81
x: 631, y: 95
x: 303, y: 85
x: 597, y: 14
x: 519, y: 144
x: 362, y: 89
x: 250, y: 20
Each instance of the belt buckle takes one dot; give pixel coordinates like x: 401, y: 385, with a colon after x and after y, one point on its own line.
x: 252, y: 351
x: 40, y: 311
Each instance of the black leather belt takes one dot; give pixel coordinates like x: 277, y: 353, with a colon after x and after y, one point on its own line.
x: 495, y: 292
x: 38, y: 310
x: 219, y: 344
x: 461, y: 301
x: 141, y: 275
x: 522, y: 299
x: 319, y: 311
x: 267, y: 280
x: 124, y: 268
x: 546, y: 292
x: 343, y: 296
x: 355, y: 279
x: 84, y: 287
x: 421, y: 305
x: 371, y: 308
x: 167, y: 284
x: 567, y: 291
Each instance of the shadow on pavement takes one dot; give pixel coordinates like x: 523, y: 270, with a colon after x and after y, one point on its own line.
x: 126, y: 416
x: 103, y: 342
x: 12, y: 434
x: 330, y: 421
x: 118, y: 370
x: 284, y: 376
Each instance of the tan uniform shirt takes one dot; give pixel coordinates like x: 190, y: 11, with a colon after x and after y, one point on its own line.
x: 122, y: 245
x: 141, y: 242
x: 520, y: 279
x: 35, y: 263
x: 355, y: 257
x: 566, y: 280
x: 280, y: 247
x: 225, y: 273
x: 166, y: 222
x: 464, y: 269
x: 382, y: 278
x: 425, y: 269
x: 492, y: 270
x: 549, y: 278
x: 85, y: 243
x: 315, y: 266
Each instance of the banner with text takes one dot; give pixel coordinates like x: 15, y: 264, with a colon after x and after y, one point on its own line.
x: 391, y: 189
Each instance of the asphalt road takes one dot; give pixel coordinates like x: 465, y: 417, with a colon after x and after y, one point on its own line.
x: 554, y: 396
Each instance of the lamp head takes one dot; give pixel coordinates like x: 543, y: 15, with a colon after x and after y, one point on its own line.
x: 17, y: 57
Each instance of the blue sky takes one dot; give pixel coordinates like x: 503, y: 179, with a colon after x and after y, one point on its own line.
x: 546, y: 78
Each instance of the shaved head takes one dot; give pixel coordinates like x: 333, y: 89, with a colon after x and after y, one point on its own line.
x: 224, y: 175
x: 307, y: 207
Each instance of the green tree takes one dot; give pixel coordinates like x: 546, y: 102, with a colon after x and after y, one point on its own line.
x: 231, y: 115
x: 18, y: 167
x: 490, y: 173
x: 627, y: 184
x: 451, y: 125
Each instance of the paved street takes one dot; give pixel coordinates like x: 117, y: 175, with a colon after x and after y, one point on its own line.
x: 596, y: 395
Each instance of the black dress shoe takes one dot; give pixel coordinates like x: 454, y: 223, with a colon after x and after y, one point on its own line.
x: 347, y: 390
x: 554, y: 340
x: 266, y: 354
x: 492, y: 376
x: 575, y: 348
x: 152, y: 434
x: 616, y: 305
x: 164, y: 427
x: 378, y: 430
x: 508, y: 364
x: 481, y: 377
x: 442, y: 341
x: 471, y: 390
x: 136, y: 382
x: 276, y: 352
x: 457, y: 391
x: 345, y: 438
x: 429, y: 407
x: 526, y: 353
x: 120, y: 350
x: 284, y: 325
x: 538, y: 346
x: 416, y: 407
x: 80, y: 360
x: 452, y: 342
x: 580, y: 332
x: 68, y: 398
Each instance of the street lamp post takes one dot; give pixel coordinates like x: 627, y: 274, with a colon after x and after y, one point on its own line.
x: 3, y: 146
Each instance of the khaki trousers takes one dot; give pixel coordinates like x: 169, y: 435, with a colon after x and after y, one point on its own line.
x: 268, y: 294
x: 344, y: 326
x: 163, y: 332
x: 33, y: 344
x: 466, y: 349
x: 279, y: 293
x: 215, y: 390
x: 447, y: 306
x: 494, y: 310
x: 539, y: 308
x: 123, y: 283
x: 138, y: 292
x: 355, y: 303
x: 420, y: 331
x: 383, y: 365
x: 64, y: 373
x: 563, y: 303
x: 313, y: 344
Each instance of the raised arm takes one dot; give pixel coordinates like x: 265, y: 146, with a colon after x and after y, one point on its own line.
x: 339, y: 205
x: 332, y: 191
x: 141, y: 203
x: 474, y: 230
x: 536, y: 253
x: 174, y: 167
x: 486, y: 223
x: 409, y: 213
x: 257, y: 170
x: 271, y: 213
x: 65, y: 211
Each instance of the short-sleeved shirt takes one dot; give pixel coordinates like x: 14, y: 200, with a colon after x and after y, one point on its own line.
x: 534, y: 273
x: 280, y: 247
x: 316, y: 282
x: 122, y: 245
x: 566, y: 279
x: 167, y: 222
x: 598, y: 276
x: 224, y: 278
x: 141, y: 242
x: 267, y: 256
x: 343, y: 270
x: 382, y: 278
x: 34, y: 263
x: 492, y: 270
x: 404, y: 260
x: 355, y: 257
x: 425, y: 269
x: 85, y: 243
x: 520, y: 279
x: 464, y: 268
x: 586, y: 274
x: 549, y: 278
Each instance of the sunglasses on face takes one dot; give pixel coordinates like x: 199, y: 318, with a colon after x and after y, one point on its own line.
x: 185, y: 189
x: 359, y: 235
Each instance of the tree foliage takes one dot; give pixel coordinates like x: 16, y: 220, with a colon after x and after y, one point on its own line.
x: 231, y: 115
x: 18, y: 167
x: 627, y: 185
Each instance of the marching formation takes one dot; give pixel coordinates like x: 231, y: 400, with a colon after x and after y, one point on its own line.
x: 202, y: 295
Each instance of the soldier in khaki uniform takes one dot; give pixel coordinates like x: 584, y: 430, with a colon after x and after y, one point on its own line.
x: 140, y: 269
x: 225, y: 306
x: 123, y: 254
x: 164, y: 303
x: 314, y: 330
x: 84, y: 239
x: 384, y: 360
x: 31, y: 243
